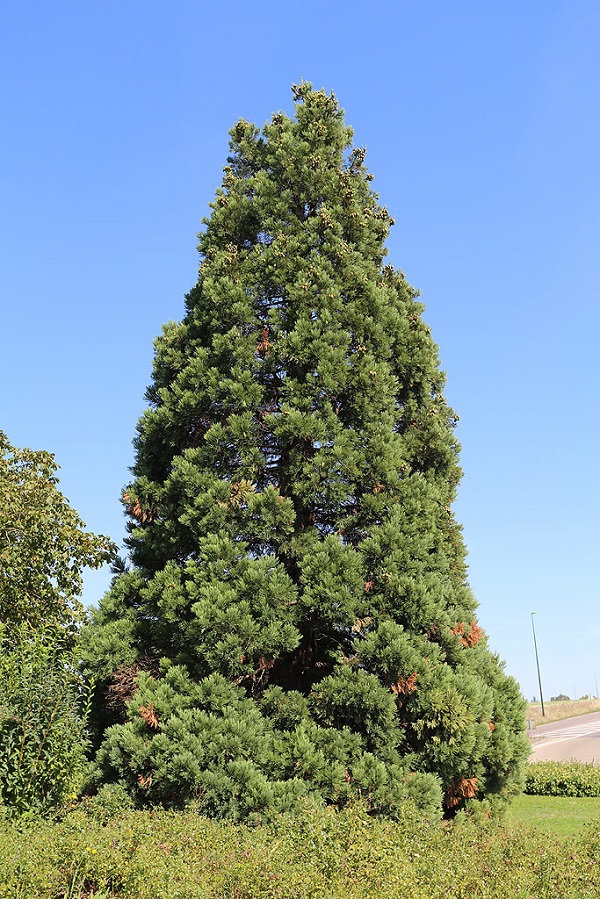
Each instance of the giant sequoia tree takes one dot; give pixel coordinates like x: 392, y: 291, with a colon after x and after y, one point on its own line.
x: 296, y: 617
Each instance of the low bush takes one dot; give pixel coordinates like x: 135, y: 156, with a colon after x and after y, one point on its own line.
x: 562, y: 779
x: 318, y: 854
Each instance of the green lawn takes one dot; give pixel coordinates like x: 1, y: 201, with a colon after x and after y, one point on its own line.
x: 563, y: 816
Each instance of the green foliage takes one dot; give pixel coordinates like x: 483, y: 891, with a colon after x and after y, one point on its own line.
x: 43, y: 547
x: 43, y: 707
x: 208, y: 745
x: 295, y: 557
x: 562, y: 779
x: 43, y: 701
x: 310, y: 855
x: 111, y: 801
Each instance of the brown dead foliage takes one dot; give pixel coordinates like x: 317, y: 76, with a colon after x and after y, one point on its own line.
x: 470, y: 637
x: 134, y: 507
x: 239, y: 493
x: 405, y: 685
x: 148, y: 713
x: 265, y: 664
x: 459, y: 789
x: 145, y: 782
x: 262, y: 347
x: 123, y: 686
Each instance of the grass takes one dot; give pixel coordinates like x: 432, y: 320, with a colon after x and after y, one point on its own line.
x: 559, y: 710
x: 563, y: 816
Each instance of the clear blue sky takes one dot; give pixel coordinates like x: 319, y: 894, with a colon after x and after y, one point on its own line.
x: 482, y: 129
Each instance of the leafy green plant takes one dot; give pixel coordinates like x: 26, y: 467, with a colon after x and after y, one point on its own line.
x: 562, y: 779
x: 44, y: 703
x: 43, y: 709
x: 43, y: 545
x: 314, y: 853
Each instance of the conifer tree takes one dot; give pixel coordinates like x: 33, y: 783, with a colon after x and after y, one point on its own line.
x: 296, y: 617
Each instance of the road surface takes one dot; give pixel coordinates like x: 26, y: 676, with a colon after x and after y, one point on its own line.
x: 572, y: 739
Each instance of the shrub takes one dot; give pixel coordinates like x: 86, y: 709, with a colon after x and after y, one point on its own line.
x: 317, y: 854
x: 43, y: 709
x: 562, y: 779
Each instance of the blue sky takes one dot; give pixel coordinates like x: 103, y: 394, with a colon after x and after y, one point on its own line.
x: 482, y: 130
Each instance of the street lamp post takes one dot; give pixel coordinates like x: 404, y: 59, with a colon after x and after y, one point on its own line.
x: 537, y: 662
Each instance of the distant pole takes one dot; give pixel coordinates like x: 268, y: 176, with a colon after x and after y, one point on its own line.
x: 537, y: 662
x: 596, y: 681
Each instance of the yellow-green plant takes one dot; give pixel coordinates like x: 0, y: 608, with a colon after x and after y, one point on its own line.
x: 562, y: 779
x: 43, y: 710
x: 315, y: 853
x: 43, y: 545
x: 44, y: 548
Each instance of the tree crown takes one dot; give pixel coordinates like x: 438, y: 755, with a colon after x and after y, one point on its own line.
x: 43, y: 545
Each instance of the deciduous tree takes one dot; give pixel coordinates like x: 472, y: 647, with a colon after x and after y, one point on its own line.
x: 43, y: 545
x: 43, y: 551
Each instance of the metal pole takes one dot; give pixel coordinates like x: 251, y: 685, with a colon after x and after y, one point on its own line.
x: 537, y: 662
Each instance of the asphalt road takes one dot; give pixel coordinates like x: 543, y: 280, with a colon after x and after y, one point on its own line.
x: 571, y: 739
